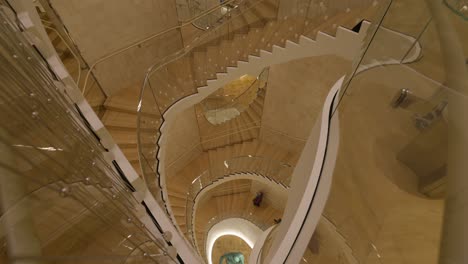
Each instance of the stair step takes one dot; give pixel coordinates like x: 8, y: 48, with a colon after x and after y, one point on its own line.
x: 176, y: 194
x: 178, y: 211
x: 177, y: 202
x: 119, y: 119
x: 180, y: 220
x: 177, y: 198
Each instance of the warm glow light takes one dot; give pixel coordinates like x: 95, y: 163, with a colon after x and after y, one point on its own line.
x: 238, y: 227
x: 40, y: 148
x: 376, y: 251
x: 226, y: 232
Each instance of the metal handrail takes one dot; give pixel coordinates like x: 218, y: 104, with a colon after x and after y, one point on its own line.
x: 71, y: 51
x: 218, y: 18
x: 158, y: 65
x: 207, y: 176
x: 112, y: 54
x: 52, y: 157
x: 154, y: 175
x: 254, y: 85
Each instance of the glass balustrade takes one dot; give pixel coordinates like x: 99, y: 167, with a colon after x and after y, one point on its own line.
x: 402, y: 135
x: 399, y: 176
x: 226, y: 108
x: 214, y: 18
x: 275, y: 171
x: 267, y: 245
x: 212, y: 222
x: 230, y: 199
x: 188, y: 9
x: 61, y: 199
x: 459, y: 7
x: 74, y: 64
x: 251, y: 27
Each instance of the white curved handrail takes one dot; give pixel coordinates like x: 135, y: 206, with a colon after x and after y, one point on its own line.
x: 312, y: 181
x: 258, y: 247
x: 239, y: 176
x: 346, y: 44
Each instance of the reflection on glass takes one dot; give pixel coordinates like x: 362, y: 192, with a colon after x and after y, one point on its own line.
x: 402, y: 140
x: 62, y: 201
x: 459, y: 7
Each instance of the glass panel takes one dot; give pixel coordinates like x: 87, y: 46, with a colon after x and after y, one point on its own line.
x: 233, y: 99
x: 182, y: 73
x: 402, y: 140
x: 263, y: 167
x: 61, y: 200
x: 328, y: 245
x: 213, y: 43
x: 69, y: 56
x: 459, y: 7
x: 267, y: 244
x: 216, y: 206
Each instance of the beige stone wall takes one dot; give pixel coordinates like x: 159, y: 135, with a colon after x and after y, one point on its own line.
x: 374, y: 201
x: 295, y: 94
x: 99, y: 27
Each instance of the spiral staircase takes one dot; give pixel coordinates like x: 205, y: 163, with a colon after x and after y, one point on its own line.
x: 248, y: 35
x: 254, y: 29
x: 148, y: 203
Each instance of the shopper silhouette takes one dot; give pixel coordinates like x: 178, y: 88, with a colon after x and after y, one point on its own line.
x: 258, y: 199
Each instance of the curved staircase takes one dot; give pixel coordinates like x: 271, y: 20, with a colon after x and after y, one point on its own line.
x: 182, y: 77
x: 249, y: 42
x: 212, y: 166
x: 239, y: 129
x: 120, y: 119
x: 232, y: 199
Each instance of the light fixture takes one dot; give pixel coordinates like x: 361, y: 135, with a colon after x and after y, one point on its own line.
x: 459, y: 7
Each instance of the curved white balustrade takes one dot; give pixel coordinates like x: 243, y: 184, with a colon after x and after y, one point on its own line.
x: 310, y: 187
x: 346, y: 44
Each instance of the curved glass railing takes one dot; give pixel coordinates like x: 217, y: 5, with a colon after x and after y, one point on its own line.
x: 62, y: 200
x: 267, y: 245
x: 217, y: 113
x: 215, y: 220
x: 402, y: 154
x: 188, y: 9
x: 215, y: 18
x: 271, y: 170
x: 257, y: 26
x: 392, y: 179
x: 459, y: 7
x: 153, y: 102
x: 72, y: 61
